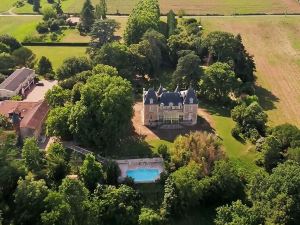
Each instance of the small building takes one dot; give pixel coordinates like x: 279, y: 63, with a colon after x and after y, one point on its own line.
x: 19, y: 82
x: 164, y: 107
x: 27, y: 117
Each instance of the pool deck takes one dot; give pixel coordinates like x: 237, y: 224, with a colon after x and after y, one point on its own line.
x: 143, y: 163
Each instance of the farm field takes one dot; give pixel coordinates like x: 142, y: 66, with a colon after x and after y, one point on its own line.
x: 57, y: 54
x: 19, y: 27
x: 5, y: 5
x: 274, y: 42
x: 226, y: 7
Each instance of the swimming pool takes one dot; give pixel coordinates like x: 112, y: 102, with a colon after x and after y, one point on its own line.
x: 143, y: 175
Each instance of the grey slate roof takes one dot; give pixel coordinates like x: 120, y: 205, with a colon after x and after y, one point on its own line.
x: 170, y: 97
x: 190, y: 93
x: 176, y: 97
x: 150, y: 94
x: 15, y: 79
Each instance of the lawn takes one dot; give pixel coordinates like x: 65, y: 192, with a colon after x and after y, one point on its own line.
x: 19, y: 27
x: 274, y: 41
x: 57, y: 54
x: 227, y: 7
x: 6, y: 5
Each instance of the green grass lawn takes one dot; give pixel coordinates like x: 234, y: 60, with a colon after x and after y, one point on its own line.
x: 19, y: 27
x: 6, y: 5
x: 57, y: 54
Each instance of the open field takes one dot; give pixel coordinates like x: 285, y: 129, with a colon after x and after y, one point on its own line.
x: 19, y: 27
x: 6, y: 5
x: 274, y: 41
x: 57, y: 54
x: 197, y: 7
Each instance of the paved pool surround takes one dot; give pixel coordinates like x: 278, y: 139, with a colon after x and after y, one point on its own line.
x: 128, y: 167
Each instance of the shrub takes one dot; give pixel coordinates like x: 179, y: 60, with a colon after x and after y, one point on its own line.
x: 53, y: 37
x: 54, y: 26
x: 16, y: 98
x: 33, y: 38
x: 235, y: 132
x: 42, y: 28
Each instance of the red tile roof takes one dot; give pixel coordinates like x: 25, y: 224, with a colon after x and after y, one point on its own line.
x: 32, y: 113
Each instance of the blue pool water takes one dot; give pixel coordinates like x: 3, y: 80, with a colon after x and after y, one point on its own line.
x: 143, y: 175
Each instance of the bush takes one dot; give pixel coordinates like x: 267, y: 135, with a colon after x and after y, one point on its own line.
x: 10, y: 41
x: 235, y: 132
x: 54, y: 26
x: 253, y: 135
x: 16, y: 98
x: 49, y: 76
x: 53, y: 37
x: 33, y: 38
x: 42, y: 28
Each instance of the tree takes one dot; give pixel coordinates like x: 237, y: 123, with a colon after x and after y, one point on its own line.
x: 221, y: 45
x: 101, y: 10
x: 7, y: 62
x: 103, y: 31
x: 287, y: 134
x: 57, y: 210
x: 294, y: 154
x: 57, y: 122
x: 218, y: 82
x: 49, y: 13
x: 29, y: 201
x: 114, y: 205
x: 57, y: 96
x: 188, y: 71
x: 4, y: 48
x: 57, y: 164
x: 72, y: 66
x: 76, y: 196
x: 103, y: 115
x: 277, y: 195
x: 36, y: 5
x: 199, y: 147
x: 237, y: 213
x: 271, y: 152
x: 250, y: 117
x: 10, y: 41
x: 91, y: 172
x: 24, y: 57
x: 149, y: 217
x: 105, y: 69
x: 144, y: 16
x: 44, y: 66
x: 171, y: 201
x: 87, y: 16
x: 171, y: 22
x: 32, y: 156
x: 58, y: 8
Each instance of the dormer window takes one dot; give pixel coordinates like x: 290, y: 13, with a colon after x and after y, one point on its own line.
x: 171, y: 104
x: 191, y: 100
x: 151, y: 100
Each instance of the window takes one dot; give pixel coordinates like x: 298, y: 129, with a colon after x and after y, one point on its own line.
x: 171, y: 104
x: 191, y: 100
x: 151, y: 100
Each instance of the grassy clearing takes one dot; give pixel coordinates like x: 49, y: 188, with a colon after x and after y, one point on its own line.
x: 274, y: 42
x: 57, y: 54
x: 19, y: 27
x: 197, y: 7
x: 6, y: 5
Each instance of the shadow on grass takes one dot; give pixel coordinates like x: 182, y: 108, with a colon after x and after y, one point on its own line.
x: 134, y: 146
x: 266, y: 98
x: 215, y: 109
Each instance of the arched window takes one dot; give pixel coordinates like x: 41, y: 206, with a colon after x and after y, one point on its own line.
x: 151, y: 100
x: 191, y: 100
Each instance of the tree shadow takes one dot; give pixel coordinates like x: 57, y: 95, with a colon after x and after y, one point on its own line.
x: 171, y: 134
x: 214, y: 109
x: 266, y: 98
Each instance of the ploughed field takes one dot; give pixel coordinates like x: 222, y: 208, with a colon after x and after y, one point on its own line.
x: 274, y: 41
x: 199, y: 7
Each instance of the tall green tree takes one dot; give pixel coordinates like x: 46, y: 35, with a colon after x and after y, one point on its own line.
x: 144, y: 16
x: 57, y: 96
x: 57, y: 164
x: 44, y: 66
x: 33, y: 157
x: 171, y: 22
x: 24, y: 57
x: 101, y: 10
x: 188, y: 71
x: 103, y: 32
x: 91, y: 172
x: 218, y: 82
x: 72, y: 66
x: 29, y: 201
x: 103, y: 115
x: 36, y: 5
x: 87, y: 16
